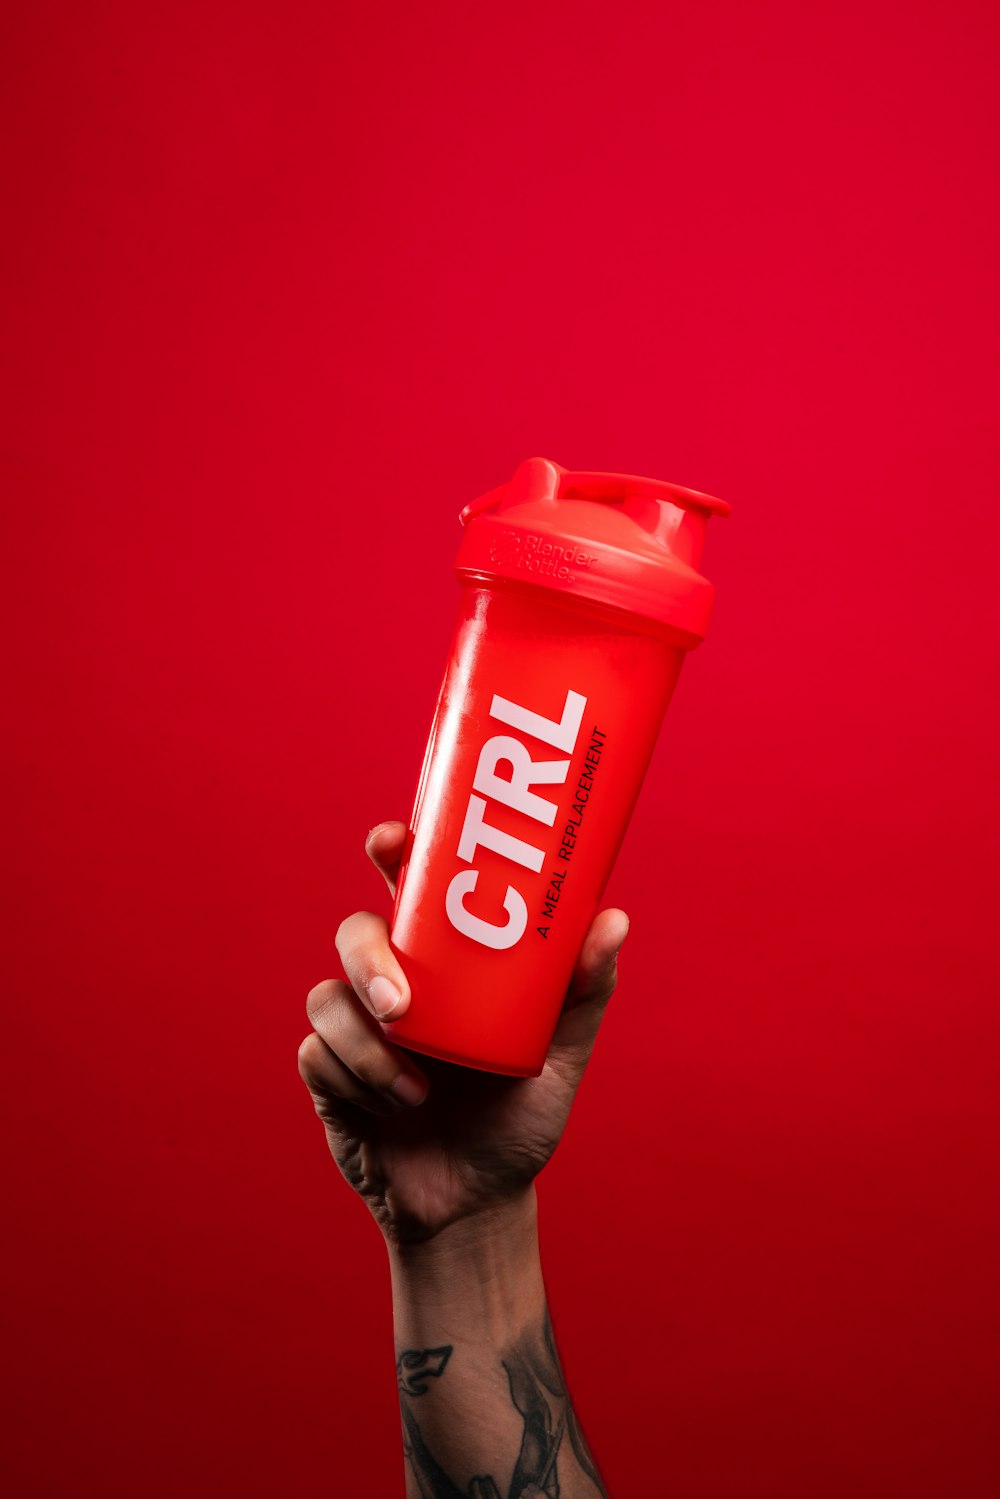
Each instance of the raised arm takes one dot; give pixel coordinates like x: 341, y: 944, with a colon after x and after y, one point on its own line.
x: 446, y: 1158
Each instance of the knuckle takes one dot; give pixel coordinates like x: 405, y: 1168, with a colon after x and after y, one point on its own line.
x: 360, y: 943
x: 344, y: 931
x: 308, y: 1057
x: 373, y: 1065
x: 356, y: 934
x: 325, y: 1104
x: 320, y: 998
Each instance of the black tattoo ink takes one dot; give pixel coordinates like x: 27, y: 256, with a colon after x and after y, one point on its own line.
x: 538, y: 1394
x: 536, y: 1462
x: 484, y: 1488
x: 416, y: 1365
x: 432, y: 1480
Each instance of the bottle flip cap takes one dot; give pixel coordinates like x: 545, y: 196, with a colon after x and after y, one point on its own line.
x: 629, y: 544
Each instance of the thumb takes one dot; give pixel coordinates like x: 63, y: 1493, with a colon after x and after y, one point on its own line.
x: 591, y: 986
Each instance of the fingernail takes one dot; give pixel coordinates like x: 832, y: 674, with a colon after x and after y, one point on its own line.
x: 409, y: 1089
x: 383, y: 996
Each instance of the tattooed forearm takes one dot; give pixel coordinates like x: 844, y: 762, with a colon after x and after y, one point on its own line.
x: 544, y: 1465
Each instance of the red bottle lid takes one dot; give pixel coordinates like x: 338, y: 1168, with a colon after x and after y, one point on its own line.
x: 629, y: 544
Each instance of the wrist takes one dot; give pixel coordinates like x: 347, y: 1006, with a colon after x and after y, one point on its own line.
x: 483, y: 1270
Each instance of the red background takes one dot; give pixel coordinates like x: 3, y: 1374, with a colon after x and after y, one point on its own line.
x: 288, y: 285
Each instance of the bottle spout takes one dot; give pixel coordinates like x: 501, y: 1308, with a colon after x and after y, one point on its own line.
x: 540, y: 480
x: 676, y: 516
x: 617, y: 488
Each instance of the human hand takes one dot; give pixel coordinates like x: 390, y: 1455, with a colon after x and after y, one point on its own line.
x: 429, y: 1143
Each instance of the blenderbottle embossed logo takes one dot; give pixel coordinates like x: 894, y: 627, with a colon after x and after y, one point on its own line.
x: 506, y: 548
x: 537, y: 555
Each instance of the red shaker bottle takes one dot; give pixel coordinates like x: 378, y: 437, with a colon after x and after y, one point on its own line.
x: 580, y: 597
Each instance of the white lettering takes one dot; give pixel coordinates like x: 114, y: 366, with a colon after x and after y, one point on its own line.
x: 486, y: 932
x: 513, y: 791
x: 524, y: 772
x: 561, y: 735
x: 478, y: 834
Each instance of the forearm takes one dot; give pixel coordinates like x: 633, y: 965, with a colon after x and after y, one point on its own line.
x: 484, y: 1404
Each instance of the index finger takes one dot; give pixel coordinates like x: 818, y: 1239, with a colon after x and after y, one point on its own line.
x: 372, y: 966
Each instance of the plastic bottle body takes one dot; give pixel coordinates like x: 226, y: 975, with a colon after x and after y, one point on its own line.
x: 545, y: 724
